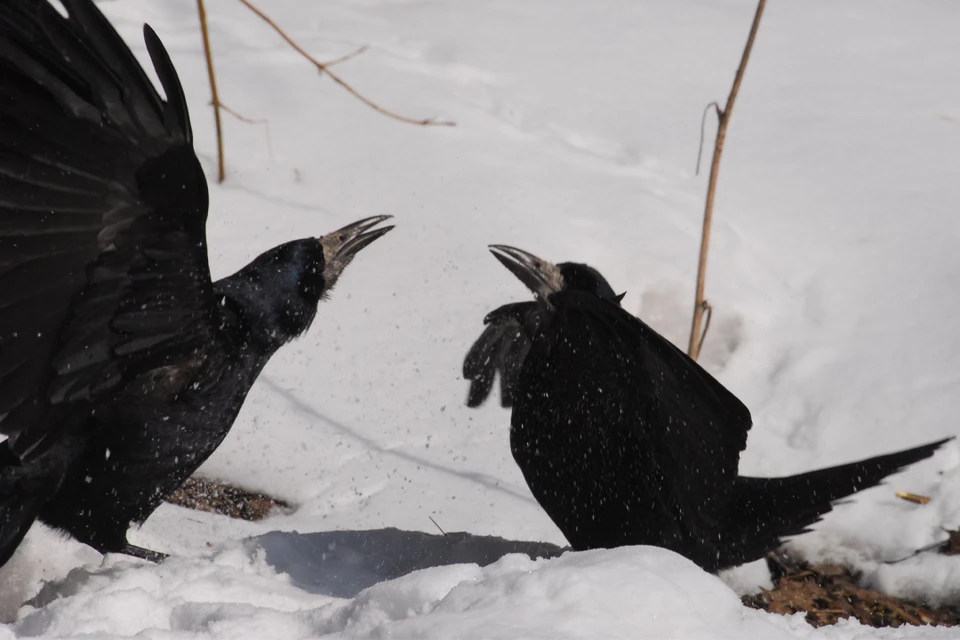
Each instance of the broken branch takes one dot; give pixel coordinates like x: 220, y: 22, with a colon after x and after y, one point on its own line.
x: 708, y: 311
x: 703, y: 126
x: 246, y: 120
x: 346, y: 57
x: 325, y: 69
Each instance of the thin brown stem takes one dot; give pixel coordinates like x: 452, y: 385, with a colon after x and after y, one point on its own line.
x: 244, y: 119
x: 723, y: 116
x: 703, y: 126
x: 708, y: 312
x: 324, y: 68
x: 221, y: 171
x: 940, y: 547
x: 330, y: 63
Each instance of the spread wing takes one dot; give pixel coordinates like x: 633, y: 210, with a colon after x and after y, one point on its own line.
x: 103, y: 204
x: 634, y: 391
x: 501, y: 349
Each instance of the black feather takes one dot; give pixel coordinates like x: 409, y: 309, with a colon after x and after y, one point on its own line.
x: 177, y: 116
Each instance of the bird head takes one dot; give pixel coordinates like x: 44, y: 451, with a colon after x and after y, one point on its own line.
x: 544, y: 278
x: 281, y: 288
x: 341, y: 246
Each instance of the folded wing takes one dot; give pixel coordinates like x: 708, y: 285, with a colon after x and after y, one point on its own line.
x: 646, y: 396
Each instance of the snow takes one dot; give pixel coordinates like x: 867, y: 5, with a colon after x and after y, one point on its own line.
x: 634, y: 592
x: 832, y: 274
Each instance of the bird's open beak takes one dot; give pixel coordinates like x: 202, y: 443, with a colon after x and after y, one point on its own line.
x: 540, y: 276
x: 340, y: 247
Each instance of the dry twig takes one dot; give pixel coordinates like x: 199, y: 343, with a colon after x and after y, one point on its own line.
x: 436, y: 525
x: 221, y: 173
x: 325, y: 68
x: 703, y: 126
x: 723, y: 117
x: 708, y: 311
x: 912, y: 497
x: 346, y: 57
x: 246, y: 120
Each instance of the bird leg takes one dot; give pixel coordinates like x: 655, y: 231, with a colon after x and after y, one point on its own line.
x: 145, y: 554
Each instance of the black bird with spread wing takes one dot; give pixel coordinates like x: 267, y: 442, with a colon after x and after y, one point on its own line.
x: 625, y: 440
x: 122, y: 364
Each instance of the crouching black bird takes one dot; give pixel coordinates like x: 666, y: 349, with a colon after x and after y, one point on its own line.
x: 625, y: 440
x: 122, y: 365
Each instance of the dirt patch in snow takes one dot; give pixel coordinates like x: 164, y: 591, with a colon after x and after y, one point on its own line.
x: 828, y: 593
x: 213, y: 496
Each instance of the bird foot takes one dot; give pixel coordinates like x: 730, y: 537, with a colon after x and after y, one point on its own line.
x: 145, y: 554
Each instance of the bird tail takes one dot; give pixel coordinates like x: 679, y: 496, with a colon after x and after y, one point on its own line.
x: 765, y: 510
x: 18, y: 508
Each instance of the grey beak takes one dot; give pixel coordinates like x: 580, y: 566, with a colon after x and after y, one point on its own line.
x: 541, y: 277
x: 340, y: 247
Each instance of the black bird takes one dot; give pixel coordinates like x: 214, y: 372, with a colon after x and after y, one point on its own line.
x: 625, y: 440
x: 122, y: 364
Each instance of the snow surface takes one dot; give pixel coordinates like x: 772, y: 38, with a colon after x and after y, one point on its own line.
x: 833, y: 273
x: 638, y: 592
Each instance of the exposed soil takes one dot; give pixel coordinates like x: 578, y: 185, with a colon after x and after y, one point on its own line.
x: 204, y: 494
x: 828, y: 593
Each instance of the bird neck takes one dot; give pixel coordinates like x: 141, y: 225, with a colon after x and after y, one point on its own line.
x: 259, y: 315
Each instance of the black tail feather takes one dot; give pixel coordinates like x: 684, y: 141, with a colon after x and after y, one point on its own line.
x: 766, y: 510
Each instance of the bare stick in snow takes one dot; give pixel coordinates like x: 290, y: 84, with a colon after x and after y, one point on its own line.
x: 436, y: 525
x: 912, y: 497
x: 723, y: 117
x: 221, y: 173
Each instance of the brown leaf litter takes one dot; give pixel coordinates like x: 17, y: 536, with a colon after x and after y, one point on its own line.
x: 828, y: 593
x: 203, y: 494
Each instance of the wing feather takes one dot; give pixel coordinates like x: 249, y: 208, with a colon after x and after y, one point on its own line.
x: 103, y: 204
x: 500, y: 350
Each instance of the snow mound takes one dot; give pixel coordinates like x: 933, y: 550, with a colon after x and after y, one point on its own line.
x: 930, y: 578
x: 237, y: 593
